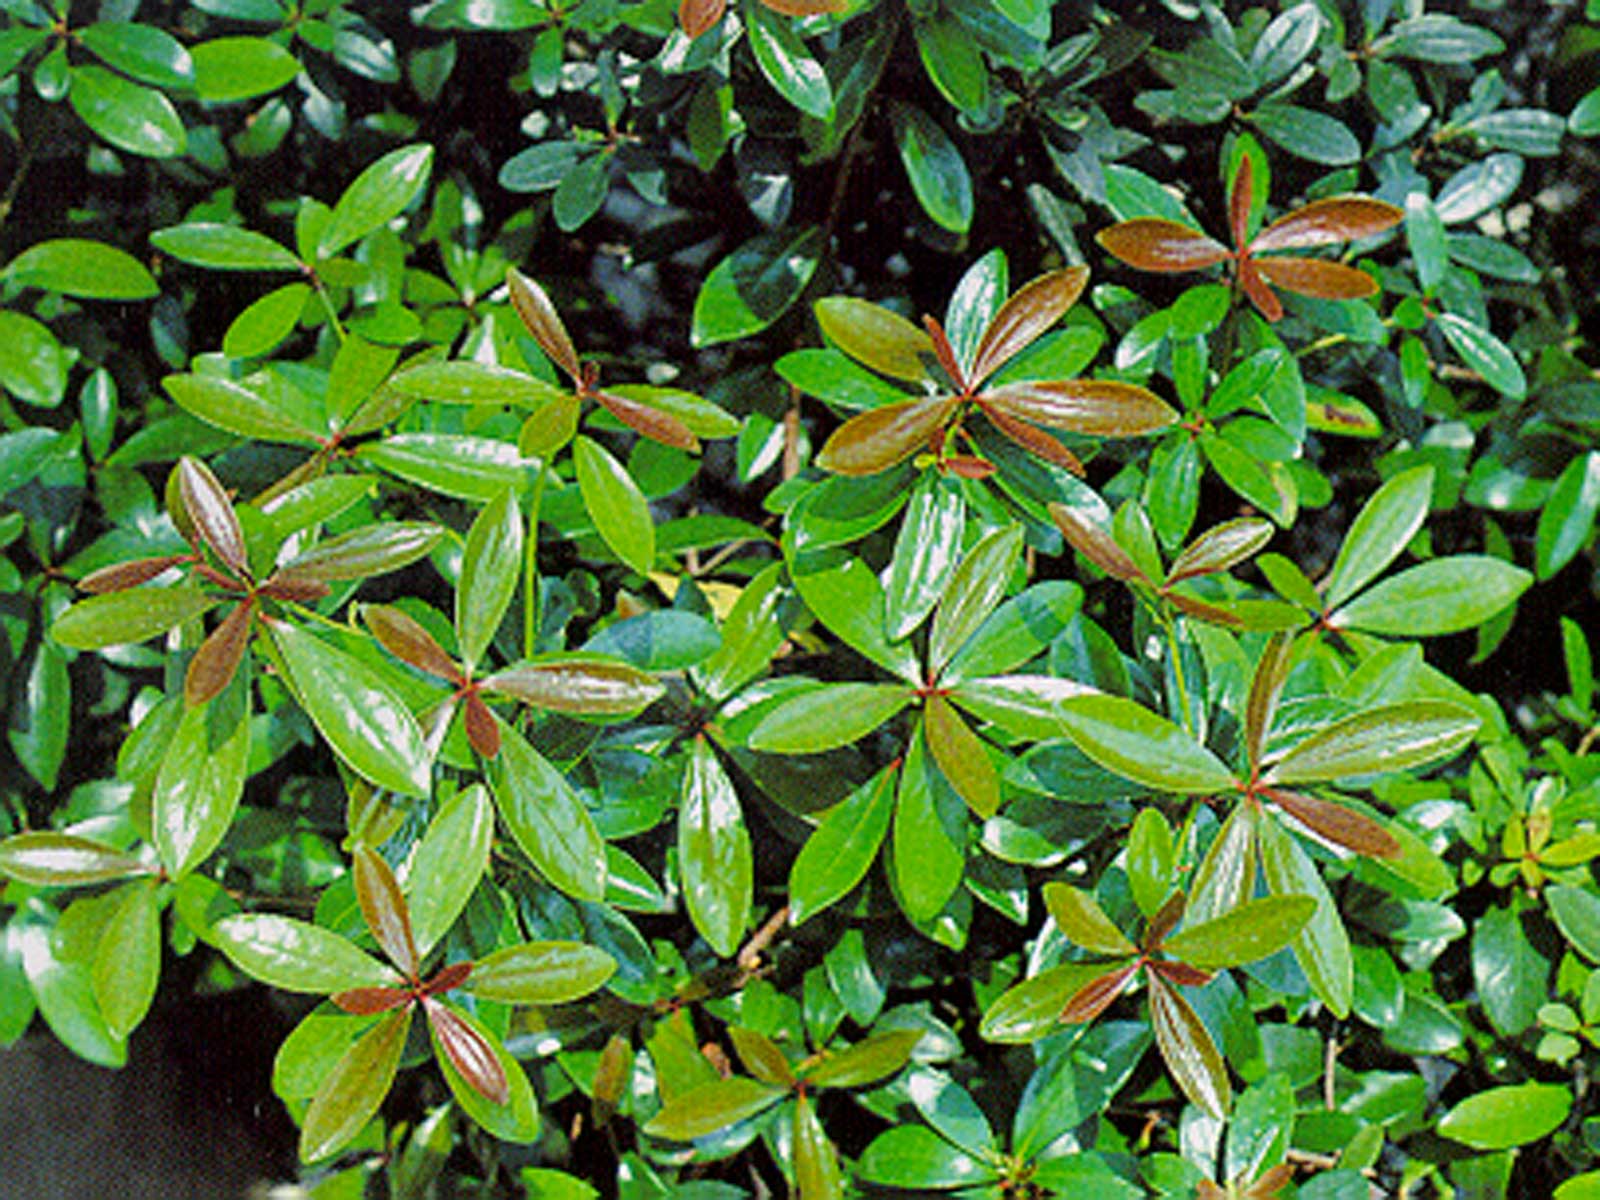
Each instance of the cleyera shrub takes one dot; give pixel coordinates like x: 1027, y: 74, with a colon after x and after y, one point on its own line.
x: 829, y: 598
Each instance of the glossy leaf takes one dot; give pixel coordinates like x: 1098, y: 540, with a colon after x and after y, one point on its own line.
x: 1151, y: 862
x: 41, y: 714
x: 1220, y: 547
x: 1382, y: 529
x: 961, y: 756
x: 236, y: 408
x: 1391, y: 738
x: 1084, y: 923
x: 1568, y: 516
x: 379, y: 194
x: 787, y: 65
x: 926, y: 552
x: 384, y: 908
x: 468, y: 1051
x: 705, y: 1109
x: 934, y: 165
x: 868, y: 1061
x: 1511, y: 975
x: 973, y: 592
x: 547, y: 819
x: 409, y: 641
x: 929, y: 836
x: 541, y: 973
x: 367, y: 551
x: 297, y: 956
x: 714, y: 855
x: 1157, y: 244
x: 83, y: 268
x: 590, y: 685
x: 1443, y: 596
x: 230, y: 69
x: 460, y: 465
x: 351, y: 1094
x: 1316, y: 277
x: 1326, y: 222
x: 1188, y: 1050
x: 515, y: 1120
x: 1025, y: 317
x: 816, y: 1162
x: 1323, y: 947
x: 127, y: 963
x: 365, y: 723
x: 49, y: 859
x: 878, y: 439
x: 1338, y: 824
x: 447, y: 864
x: 130, y: 116
x: 755, y: 285
x: 914, y: 1157
x: 128, y: 617
x: 1254, y: 930
x: 615, y: 503
x: 197, y: 788
x: 223, y: 247
x: 490, y: 571
x: 542, y: 321
x: 1484, y: 353
x: 840, y: 851
x: 1090, y: 538
x: 1130, y: 740
x: 827, y: 717
x: 1031, y: 1009
x: 875, y: 336
x: 1102, y: 408
x: 1503, y: 1117
x: 1577, y: 915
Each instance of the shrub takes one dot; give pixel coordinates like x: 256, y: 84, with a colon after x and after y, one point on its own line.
x: 766, y: 568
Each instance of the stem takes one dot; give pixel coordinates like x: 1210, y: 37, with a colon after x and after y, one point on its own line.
x: 530, y: 576
x: 1177, y: 672
x: 327, y: 304
x: 25, y: 160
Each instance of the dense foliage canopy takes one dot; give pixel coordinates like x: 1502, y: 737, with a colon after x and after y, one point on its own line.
x: 817, y: 597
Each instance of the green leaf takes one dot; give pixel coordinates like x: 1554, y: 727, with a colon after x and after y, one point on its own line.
x: 1511, y: 976
x: 236, y: 408
x: 223, y: 248
x: 1439, y: 38
x: 1032, y: 1008
x: 367, y: 550
x: 467, y: 382
x: 875, y: 336
x: 1189, y: 1052
x: 751, y: 635
x: 1577, y: 915
x: 933, y: 163
x: 581, y: 192
x: 198, y: 785
x: 1443, y: 596
x: 914, y: 1157
x: 1485, y: 354
x: 127, y: 962
x: 617, y: 506
x: 1084, y: 923
x: 974, y: 591
x: 1479, y: 187
x: 447, y: 864
x: 1254, y: 930
x: 379, y: 194
x: 41, y: 714
x: 1529, y: 131
x: 1130, y: 740
x: 867, y: 1061
x: 143, y: 52
x: 709, y: 1107
x: 1391, y: 738
x: 351, y: 1094
x: 755, y: 285
x: 1019, y: 630
x: 459, y: 465
x: 297, y: 956
x: 1285, y: 42
x: 33, y: 367
x: 547, y: 819
x: 1430, y: 247
x: 840, y: 851
x: 816, y: 1162
x: 64, y: 990
x: 491, y: 567
x: 365, y: 723
x: 263, y: 326
x: 1151, y: 861
x: 828, y: 716
x: 49, y: 859
x: 1568, y: 515
x: 714, y: 857
x: 1382, y: 529
x: 1323, y: 947
x: 845, y: 595
x: 962, y: 757
x: 82, y: 268
x: 1503, y: 1117
x: 541, y: 973
x: 1307, y: 133
x: 926, y: 551
x: 229, y: 69
x: 130, y: 116
x: 954, y: 62
x: 128, y: 617
x: 929, y: 836
x: 788, y: 66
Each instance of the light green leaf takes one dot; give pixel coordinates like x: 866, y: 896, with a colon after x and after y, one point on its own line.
x: 541, y: 973
x: 130, y: 116
x: 1568, y: 515
x: 127, y: 962
x: 262, y: 327
x: 352, y: 1092
x: 128, y: 617
x: 1254, y: 930
x: 1443, y: 596
x: 236, y: 408
x: 755, y: 285
x: 1323, y: 947
x: 926, y: 551
x: 491, y: 567
x: 452, y: 464
x: 447, y: 864
x: 223, y: 248
x: 1130, y: 740
x: 1485, y: 354
x: 230, y: 69
x: 82, y: 268
x: 618, y: 508
x: 839, y: 853
x: 714, y: 856
x: 547, y: 819
x: 379, y: 194
x: 198, y: 786
x: 827, y: 717
x: 33, y: 367
x: 705, y: 1109
x: 297, y: 956
x: 1391, y: 738
x: 1503, y: 1117
x: 143, y: 52
x: 1382, y: 529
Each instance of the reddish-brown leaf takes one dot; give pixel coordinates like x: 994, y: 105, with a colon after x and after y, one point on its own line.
x: 542, y: 320
x: 1265, y: 688
x: 483, y: 731
x: 365, y: 1001
x: 1164, y: 922
x: 1220, y: 547
x: 968, y: 466
x: 1181, y: 972
x: 1340, y: 825
x: 1033, y: 439
x: 1154, y: 244
x: 1251, y: 283
x: 119, y: 577
x: 697, y: 16
x: 448, y: 979
x: 469, y: 1052
x: 212, y: 513
x: 1206, y: 1190
x: 1317, y: 277
x: 878, y: 439
x: 1101, y: 407
x: 1271, y: 1183
x: 213, y: 665
x: 406, y: 639
x: 1189, y: 1052
x: 1241, y: 199
x: 1211, y: 614
x: 289, y: 584
x: 1095, y: 543
x: 1324, y: 222
x: 945, y: 353
x: 1037, y: 306
x: 1094, y: 997
x: 649, y: 422
x: 384, y: 907
x: 805, y: 8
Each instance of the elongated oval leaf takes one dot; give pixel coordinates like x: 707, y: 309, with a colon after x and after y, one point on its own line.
x: 297, y: 956
x: 236, y: 408
x: 80, y: 267
x: 939, y: 176
x: 490, y: 570
x: 1079, y: 916
x: 868, y: 1061
x: 130, y: 116
x: 128, y: 617
x: 512, y: 1114
x: 197, y: 788
x: 48, y: 859
x: 1254, y: 930
x: 223, y: 247
x: 705, y: 1109
x: 351, y: 1094
x: 547, y: 819
x: 1102, y: 408
x: 127, y: 962
x: 1503, y: 1117
x: 1156, y: 244
x: 839, y: 853
x: 376, y: 196
x: 542, y: 321
x: 827, y: 717
x: 615, y: 503
x: 230, y: 69
x: 1391, y: 738
x: 1188, y: 1050
x: 541, y: 973
x: 369, y: 550
x: 1130, y: 740
x: 1325, y: 222
x: 1385, y: 525
x: 878, y: 439
x: 1443, y: 596
x: 1025, y: 317
x: 448, y: 863
x: 974, y: 591
x: 591, y: 685
x: 1322, y: 947
x: 714, y: 856
x: 365, y: 723
x: 926, y: 551
x: 962, y: 757
x: 875, y: 337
